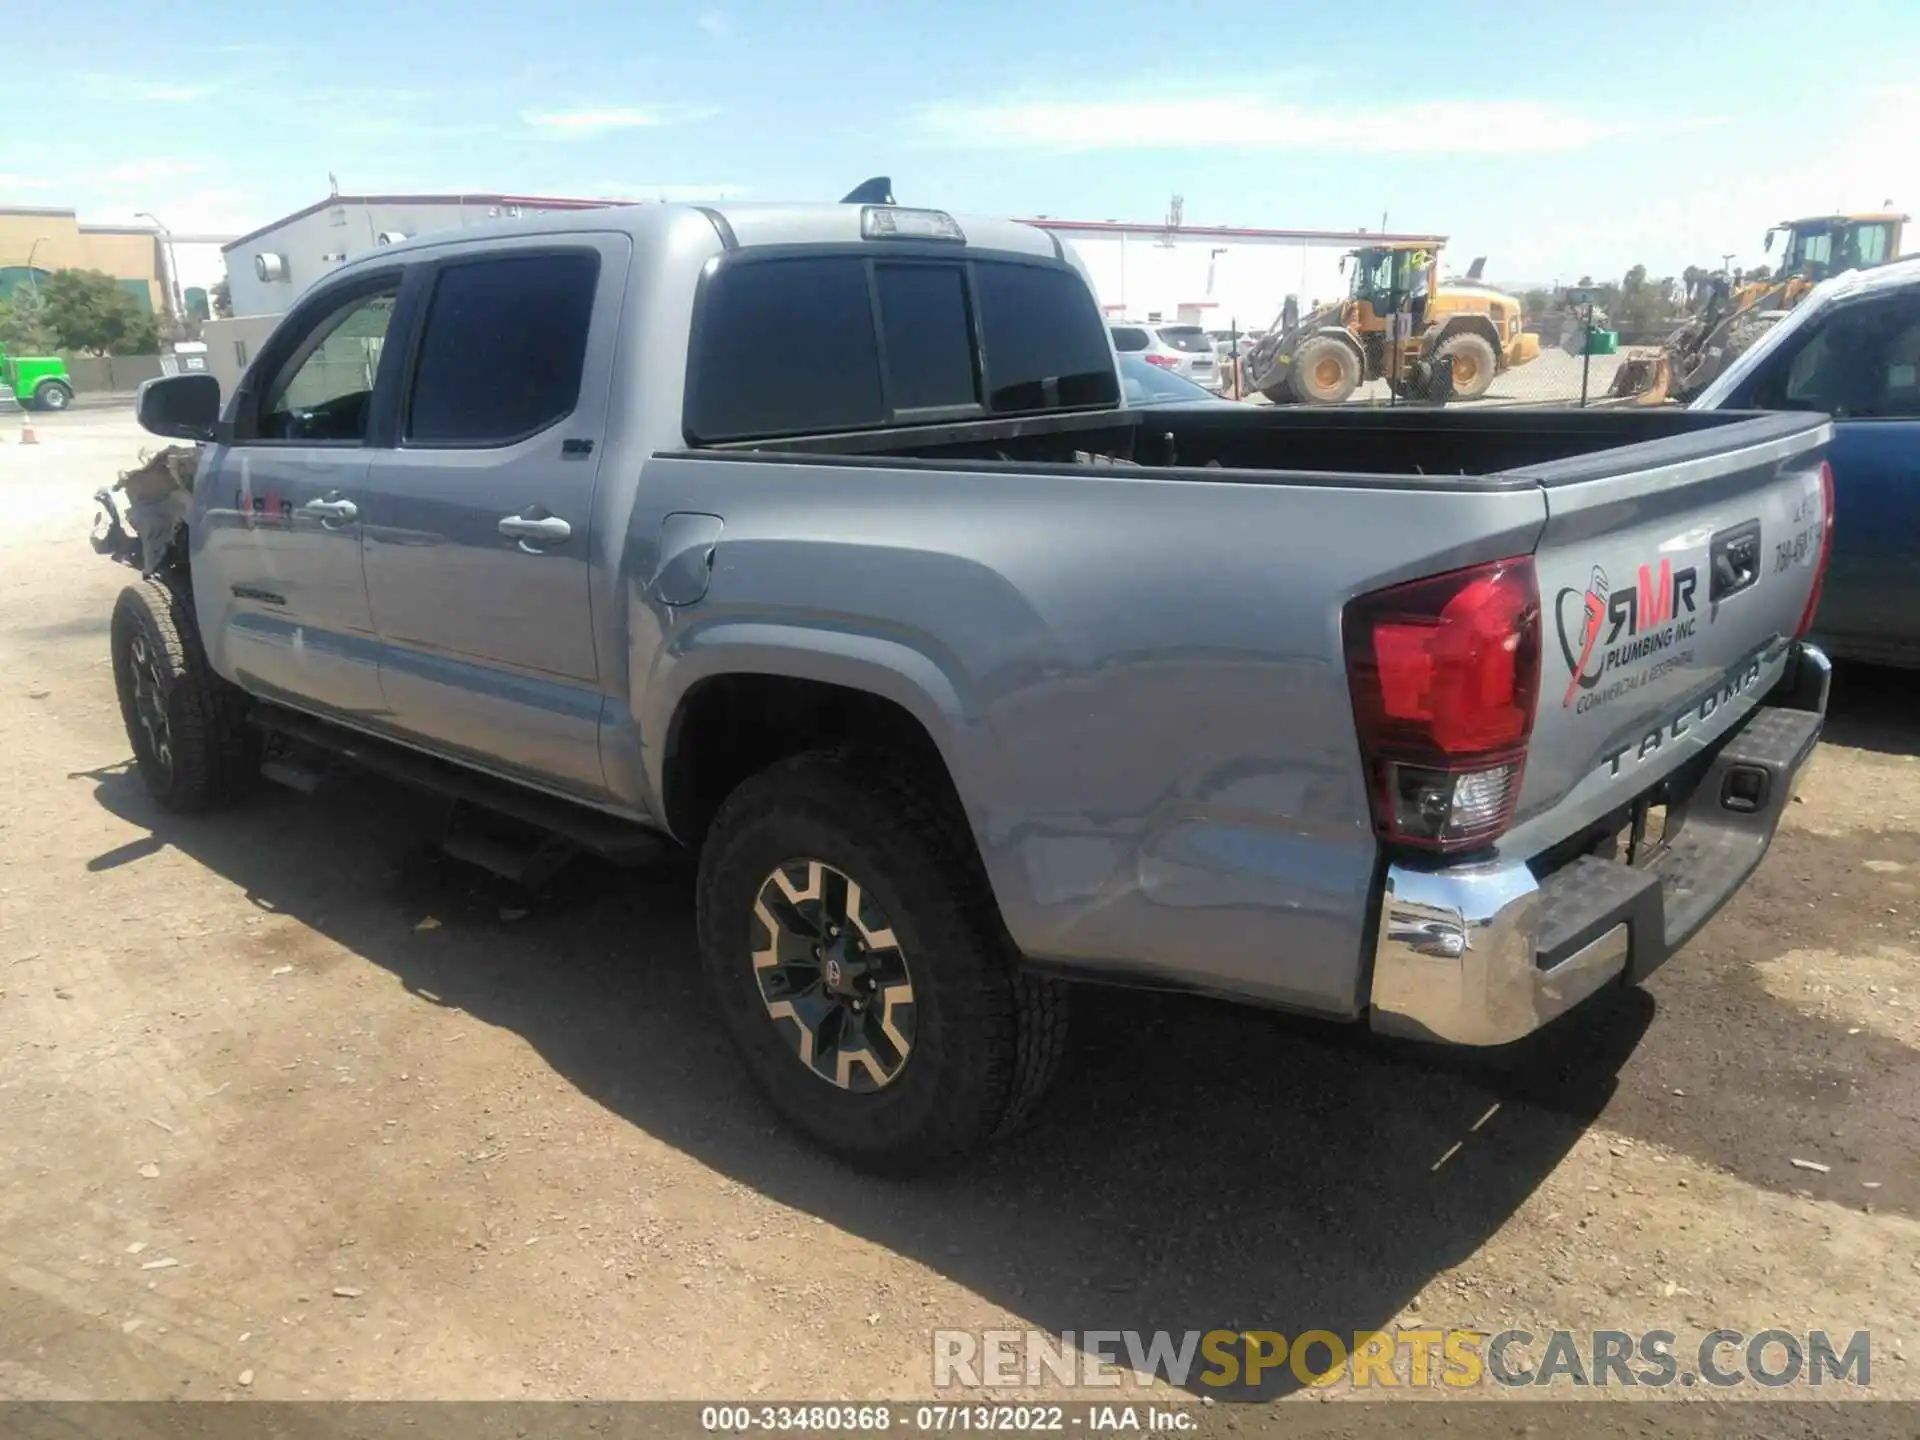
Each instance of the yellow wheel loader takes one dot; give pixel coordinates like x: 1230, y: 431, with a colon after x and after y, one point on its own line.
x: 1735, y: 316
x: 1396, y: 323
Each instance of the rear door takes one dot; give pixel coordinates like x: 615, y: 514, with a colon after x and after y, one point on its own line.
x: 281, y: 595
x: 479, y: 522
x: 1860, y: 363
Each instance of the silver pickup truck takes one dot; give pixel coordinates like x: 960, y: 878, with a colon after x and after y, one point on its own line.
x: 817, y: 538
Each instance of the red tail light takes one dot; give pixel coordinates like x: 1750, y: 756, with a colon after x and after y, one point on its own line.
x: 1826, y: 551
x: 1445, y: 673
x: 1165, y: 362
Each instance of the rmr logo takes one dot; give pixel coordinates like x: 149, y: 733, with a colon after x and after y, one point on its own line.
x: 1658, y: 598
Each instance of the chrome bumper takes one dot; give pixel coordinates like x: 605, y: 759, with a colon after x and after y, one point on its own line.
x: 1456, y: 957
x: 1485, y: 954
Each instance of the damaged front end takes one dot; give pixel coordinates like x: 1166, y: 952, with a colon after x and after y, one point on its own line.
x: 151, y: 535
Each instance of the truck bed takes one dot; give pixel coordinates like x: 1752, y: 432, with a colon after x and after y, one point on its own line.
x: 1491, y: 448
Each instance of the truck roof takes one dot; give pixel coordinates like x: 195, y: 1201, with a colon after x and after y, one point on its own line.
x: 749, y: 224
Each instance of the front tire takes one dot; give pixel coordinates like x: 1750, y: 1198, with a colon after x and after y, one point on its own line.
x: 53, y: 395
x: 1474, y: 364
x: 1325, y: 371
x: 861, y: 968
x: 191, y: 741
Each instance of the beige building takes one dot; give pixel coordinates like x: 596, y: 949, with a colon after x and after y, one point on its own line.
x: 42, y: 240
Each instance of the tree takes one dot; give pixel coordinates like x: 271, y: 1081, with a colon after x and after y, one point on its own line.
x: 220, y: 297
x: 1645, y: 306
x: 89, y: 311
x: 1535, y: 303
x: 1760, y: 272
x: 23, y: 324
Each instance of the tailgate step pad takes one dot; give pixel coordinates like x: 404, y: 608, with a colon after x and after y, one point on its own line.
x: 1715, y: 838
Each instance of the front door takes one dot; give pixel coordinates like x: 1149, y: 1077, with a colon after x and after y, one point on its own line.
x: 281, y: 595
x: 1860, y: 363
x: 480, y: 522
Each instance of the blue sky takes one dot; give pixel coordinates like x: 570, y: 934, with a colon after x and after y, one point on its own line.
x: 1554, y: 138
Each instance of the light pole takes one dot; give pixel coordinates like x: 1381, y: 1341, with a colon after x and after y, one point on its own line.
x: 33, y: 276
x: 175, y: 303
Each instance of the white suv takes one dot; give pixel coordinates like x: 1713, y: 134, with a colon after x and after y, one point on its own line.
x: 1184, y: 350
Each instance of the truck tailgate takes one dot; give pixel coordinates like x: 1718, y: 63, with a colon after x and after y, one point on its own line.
x: 1673, y: 576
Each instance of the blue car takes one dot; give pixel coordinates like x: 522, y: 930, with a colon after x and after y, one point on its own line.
x: 1150, y: 386
x: 1851, y: 349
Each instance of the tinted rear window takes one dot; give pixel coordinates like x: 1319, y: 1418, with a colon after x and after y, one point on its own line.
x: 1130, y: 337
x: 1045, y: 344
x: 1190, y: 338
x: 788, y: 347
x: 928, y: 327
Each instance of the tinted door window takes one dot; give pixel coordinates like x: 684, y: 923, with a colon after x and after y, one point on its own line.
x: 1862, y: 362
x: 1044, y: 341
x: 503, y: 350
x: 786, y: 347
x: 1128, y: 339
x: 928, y: 327
x: 325, y: 392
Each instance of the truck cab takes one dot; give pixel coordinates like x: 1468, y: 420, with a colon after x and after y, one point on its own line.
x: 39, y: 382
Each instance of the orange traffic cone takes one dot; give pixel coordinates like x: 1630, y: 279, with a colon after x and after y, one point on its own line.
x: 27, y: 437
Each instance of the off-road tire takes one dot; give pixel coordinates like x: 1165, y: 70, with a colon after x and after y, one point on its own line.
x: 52, y: 395
x: 989, y: 1036
x: 1468, y: 351
x: 211, y: 754
x: 1325, y: 371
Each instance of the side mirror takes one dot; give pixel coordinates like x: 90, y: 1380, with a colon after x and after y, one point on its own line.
x: 1343, y: 264
x: 180, y: 407
x: 1769, y: 245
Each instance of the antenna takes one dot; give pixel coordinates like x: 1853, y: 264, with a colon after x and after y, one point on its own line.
x: 877, y: 191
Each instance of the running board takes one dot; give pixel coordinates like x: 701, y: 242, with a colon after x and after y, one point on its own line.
x: 605, y: 835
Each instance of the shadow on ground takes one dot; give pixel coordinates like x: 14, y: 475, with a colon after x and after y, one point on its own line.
x: 1875, y: 708
x: 1200, y: 1166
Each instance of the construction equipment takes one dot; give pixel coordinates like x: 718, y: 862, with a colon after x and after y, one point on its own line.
x: 1735, y: 315
x: 1385, y: 330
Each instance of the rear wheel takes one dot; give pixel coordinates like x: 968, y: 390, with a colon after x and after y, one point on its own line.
x: 1325, y: 371
x: 53, y: 395
x: 1474, y: 364
x: 191, y: 742
x: 861, y: 968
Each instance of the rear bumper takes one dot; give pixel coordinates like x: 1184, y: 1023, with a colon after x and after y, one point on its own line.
x: 1483, y: 955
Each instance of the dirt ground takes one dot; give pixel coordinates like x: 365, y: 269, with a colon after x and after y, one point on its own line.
x: 291, y: 1107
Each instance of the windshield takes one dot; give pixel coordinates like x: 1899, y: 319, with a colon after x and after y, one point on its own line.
x: 1147, y: 385
x: 1190, y: 338
x: 1823, y: 250
x: 1372, y: 274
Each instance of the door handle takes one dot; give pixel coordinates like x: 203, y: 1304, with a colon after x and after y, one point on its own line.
x: 331, y: 512
x: 535, y: 528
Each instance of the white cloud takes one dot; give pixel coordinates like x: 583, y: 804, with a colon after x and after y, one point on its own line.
x: 1253, y: 123
x: 683, y: 194
x: 716, y: 25
x: 587, y: 123
x: 11, y: 181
